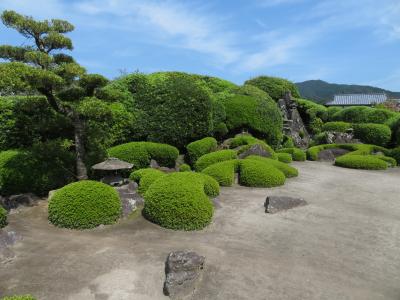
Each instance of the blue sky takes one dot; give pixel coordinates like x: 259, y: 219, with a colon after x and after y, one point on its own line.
x: 342, y: 41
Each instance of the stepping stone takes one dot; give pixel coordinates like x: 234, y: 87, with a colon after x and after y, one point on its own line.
x: 274, y: 204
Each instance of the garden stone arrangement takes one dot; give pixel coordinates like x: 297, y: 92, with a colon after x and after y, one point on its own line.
x: 101, y: 180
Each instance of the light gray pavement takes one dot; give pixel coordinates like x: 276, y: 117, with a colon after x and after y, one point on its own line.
x: 345, y: 244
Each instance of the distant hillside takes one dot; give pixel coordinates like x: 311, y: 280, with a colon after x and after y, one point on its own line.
x: 322, y: 92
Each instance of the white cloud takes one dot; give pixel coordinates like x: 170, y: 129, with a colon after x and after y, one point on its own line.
x: 176, y: 24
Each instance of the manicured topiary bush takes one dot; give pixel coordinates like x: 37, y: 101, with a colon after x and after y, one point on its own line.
x: 179, y: 202
x: 261, y: 117
x: 273, y: 86
x: 84, y: 204
x: 337, y: 126
x: 287, y: 170
x: 377, y: 134
x: 367, y: 162
x: 297, y: 154
x: 199, y: 148
x: 223, y: 172
x: 184, y: 168
x: 390, y: 160
x: 3, y: 217
x: 255, y: 173
x: 354, y: 114
x: 140, y: 154
x: 22, y: 297
x: 284, y: 157
x: 147, y: 179
x: 211, y: 186
x: 214, y: 157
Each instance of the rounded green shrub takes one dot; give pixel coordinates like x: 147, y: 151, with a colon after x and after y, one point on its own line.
x: 367, y: 162
x: 214, y: 157
x: 287, y: 170
x: 223, y: 172
x: 211, y: 186
x: 3, y: 217
x: 261, y: 117
x: 377, y: 134
x: 199, y: 148
x: 390, y: 160
x: 273, y: 86
x: 284, y: 157
x: 255, y: 173
x: 184, y: 168
x: 338, y: 126
x: 179, y: 202
x: 138, y: 174
x: 148, y: 178
x: 21, y: 297
x: 297, y: 154
x: 84, y: 204
x: 287, y: 142
x: 140, y: 153
x: 354, y: 114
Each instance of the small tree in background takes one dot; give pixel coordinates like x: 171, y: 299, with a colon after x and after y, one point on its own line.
x: 42, y: 68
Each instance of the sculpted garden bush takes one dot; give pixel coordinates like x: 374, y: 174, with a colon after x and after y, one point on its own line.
x: 84, y: 204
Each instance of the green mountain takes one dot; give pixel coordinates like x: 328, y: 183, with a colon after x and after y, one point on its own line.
x: 322, y: 92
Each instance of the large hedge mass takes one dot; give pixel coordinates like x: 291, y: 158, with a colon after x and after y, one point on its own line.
x: 275, y: 87
x: 84, y: 204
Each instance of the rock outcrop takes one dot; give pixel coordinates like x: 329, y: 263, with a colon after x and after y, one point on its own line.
x: 274, y: 204
x: 293, y: 125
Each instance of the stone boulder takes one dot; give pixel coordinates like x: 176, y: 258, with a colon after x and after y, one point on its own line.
x: 14, y: 201
x: 183, y: 272
x: 274, y: 204
x: 255, y: 150
x: 331, y: 154
x: 333, y: 137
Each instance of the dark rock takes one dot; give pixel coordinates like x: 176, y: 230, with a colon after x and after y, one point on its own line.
x: 331, y: 154
x: 255, y: 150
x: 14, y: 201
x: 274, y: 204
x: 183, y: 271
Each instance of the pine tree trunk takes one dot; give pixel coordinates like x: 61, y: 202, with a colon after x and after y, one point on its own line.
x: 79, y: 148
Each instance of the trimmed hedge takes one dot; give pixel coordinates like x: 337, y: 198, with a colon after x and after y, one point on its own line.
x: 198, y: 148
x: 284, y: 157
x: 362, y: 114
x: 3, y: 217
x: 214, y: 157
x: 338, y: 126
x: 38, y: 170
x: 377, y: 134
x: 255, y: 173
x: 145, y: 177
x: 184, y: 168
x: 179, y: 202
x: 22, y: 297
x: 211, y: 186
x: 140, y: 154
x: 84, y: 204
x: 289, y: 171
x: 274, y: 86
x: 367, y: 162
x: 223, y: 172
x: 297, y: 154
